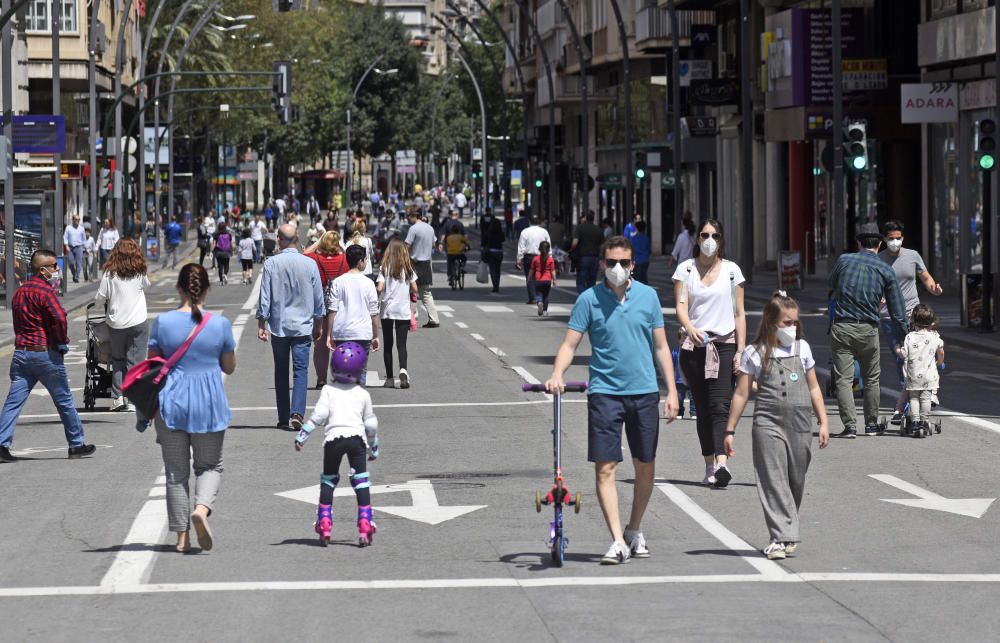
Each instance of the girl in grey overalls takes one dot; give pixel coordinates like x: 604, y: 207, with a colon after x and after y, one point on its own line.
x: 788, y: 395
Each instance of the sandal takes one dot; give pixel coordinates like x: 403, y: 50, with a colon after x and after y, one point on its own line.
x: 200, y: 523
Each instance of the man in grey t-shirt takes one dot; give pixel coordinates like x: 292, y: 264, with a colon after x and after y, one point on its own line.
x: 908, y: 266
x: 420, y: 240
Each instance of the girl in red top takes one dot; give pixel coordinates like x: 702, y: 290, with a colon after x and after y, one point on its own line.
x: 329, y: 257
x: 543, y: 269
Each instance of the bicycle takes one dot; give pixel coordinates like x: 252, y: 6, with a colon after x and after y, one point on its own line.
x: 559, y: 495
x: 456, y: 272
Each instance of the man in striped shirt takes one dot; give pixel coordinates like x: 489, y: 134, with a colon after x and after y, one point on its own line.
x: 859, y: 283
x: 41, y: 341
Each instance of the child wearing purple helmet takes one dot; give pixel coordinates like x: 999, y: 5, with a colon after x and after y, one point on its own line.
x: 345, y: 412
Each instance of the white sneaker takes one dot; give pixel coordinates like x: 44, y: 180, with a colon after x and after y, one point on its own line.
x: 709, y: 474
x: 119, y: 404
x: 636, y: 543
x: 617, y: 554
x: 790, y: 548
x: 722, y: 476
x: 775, y: 551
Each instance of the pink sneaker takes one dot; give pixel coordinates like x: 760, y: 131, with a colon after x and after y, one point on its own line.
x: 366, y: 527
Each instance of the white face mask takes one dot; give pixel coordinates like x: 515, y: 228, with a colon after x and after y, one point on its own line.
x: 709, y: 247
x: 617, y: 276
x: 786, y: 335
x: 894, y: 244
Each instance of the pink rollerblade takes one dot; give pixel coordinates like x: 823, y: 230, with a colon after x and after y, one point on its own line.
x: 366, y: 528
x: 324, y: 523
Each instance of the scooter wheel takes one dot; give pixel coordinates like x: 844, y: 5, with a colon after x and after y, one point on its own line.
x: 538, y: 501
x: 576, y: 502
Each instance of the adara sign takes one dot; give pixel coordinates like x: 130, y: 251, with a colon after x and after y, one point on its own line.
x: 929, y: 102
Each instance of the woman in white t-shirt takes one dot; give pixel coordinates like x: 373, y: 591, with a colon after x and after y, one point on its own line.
x: 358, y: 238
x: 397, y: 285
x: 709, y: 295
x: 123, y: 288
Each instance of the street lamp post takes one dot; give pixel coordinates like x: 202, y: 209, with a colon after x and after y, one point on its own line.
x: 224, y: 110
x: 627, y: 84
x: 354, y: 97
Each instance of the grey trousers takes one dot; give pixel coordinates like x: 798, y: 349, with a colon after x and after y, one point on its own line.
x: 850, y: 341
x: 128, y: 348
x: 920, y: 405
x: 179, y: 448
x: 781, y: 457
x: 427, y: 299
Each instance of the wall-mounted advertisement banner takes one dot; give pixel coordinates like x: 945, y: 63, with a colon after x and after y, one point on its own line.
x: 149, y: 146
x: 929, y: 102
x: 515, y: 186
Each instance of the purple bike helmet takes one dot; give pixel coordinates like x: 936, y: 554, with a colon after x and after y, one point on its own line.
x: 348, y: 362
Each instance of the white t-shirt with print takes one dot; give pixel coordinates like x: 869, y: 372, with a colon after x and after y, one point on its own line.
x: 919, y: 351
x: 752, y: 357
x: 246, y: 249
x: 710, y: 308
x: 396, y: 296
x: 353, y: 298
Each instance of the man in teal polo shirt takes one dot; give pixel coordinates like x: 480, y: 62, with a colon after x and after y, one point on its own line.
x: 625, y: 324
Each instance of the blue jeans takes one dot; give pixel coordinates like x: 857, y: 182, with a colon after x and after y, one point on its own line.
x: 586, y: 273
x: 28, y: 368
x: 76, y: 261
x: 298, y: 349
x: 258, y: 249
x: 892, y: 339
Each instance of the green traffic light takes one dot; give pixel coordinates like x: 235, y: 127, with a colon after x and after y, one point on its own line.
x: 538, y: 183
x: 859, y: 162
x: 987, y: 161
x: 640, y: 173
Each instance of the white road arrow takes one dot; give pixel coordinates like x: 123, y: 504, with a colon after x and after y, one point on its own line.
x: 425, y: 507
x: 972, y: 507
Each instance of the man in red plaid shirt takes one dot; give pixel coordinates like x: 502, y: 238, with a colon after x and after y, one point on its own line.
x: 41, y: 342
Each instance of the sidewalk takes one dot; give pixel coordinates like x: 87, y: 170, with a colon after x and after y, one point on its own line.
x: 813, y: 299
x: 83, y: 293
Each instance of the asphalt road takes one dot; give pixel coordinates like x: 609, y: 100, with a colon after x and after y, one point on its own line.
x: 85, y: 555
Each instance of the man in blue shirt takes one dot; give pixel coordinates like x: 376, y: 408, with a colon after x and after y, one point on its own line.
x: 643, y: 252
x: 860, y: 281
x: 172, y: 239
x: 625, y: 324
x: 291, y: 312
x: 74, y: 241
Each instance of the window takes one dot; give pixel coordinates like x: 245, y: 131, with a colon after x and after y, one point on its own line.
x: 37, y: 17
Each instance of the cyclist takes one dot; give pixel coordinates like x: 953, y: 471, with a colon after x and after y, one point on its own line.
x: 456, y: 243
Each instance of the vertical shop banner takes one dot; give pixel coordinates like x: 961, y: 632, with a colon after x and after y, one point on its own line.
x: 515, y: 186
x: 27, y: 239
x: 149, y: 146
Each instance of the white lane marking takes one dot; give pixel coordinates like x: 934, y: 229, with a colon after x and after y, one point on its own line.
x: 478, y: 583
x: 525, y: 374
x: 372, y: 379
x: 42, y: 392
x: 751, y: 555
x: 496, y: 351
x: 133, y: 564
x: 445, y: 308
x: 971, y: 507
x: 494, y: 308
x: 445, y: 313
x: 669, y: 311
x: 971, y: 420
x: 477, y: 337
x: 562, y: 310
x: 462, y: 325
x: 251, y: 301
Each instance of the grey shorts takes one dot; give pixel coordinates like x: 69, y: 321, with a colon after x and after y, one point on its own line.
x: 607, y: 414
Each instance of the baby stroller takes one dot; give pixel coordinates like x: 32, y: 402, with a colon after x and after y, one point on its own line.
x: 98, y: 377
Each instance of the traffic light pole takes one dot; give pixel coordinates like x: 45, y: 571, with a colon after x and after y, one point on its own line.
x: 987, y: 323
x: 7, y: 90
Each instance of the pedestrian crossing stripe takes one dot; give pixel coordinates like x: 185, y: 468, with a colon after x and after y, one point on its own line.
x: 487, y: 308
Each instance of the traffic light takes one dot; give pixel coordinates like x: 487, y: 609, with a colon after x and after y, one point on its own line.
x: 538, y: 183
x: 986, y: 144
x: 856, y: 147
x: 281, y: 91
x: 477, y: 170
x: 640, y: 166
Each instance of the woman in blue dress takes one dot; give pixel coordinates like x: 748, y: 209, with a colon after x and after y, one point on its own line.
x: 194, y: 411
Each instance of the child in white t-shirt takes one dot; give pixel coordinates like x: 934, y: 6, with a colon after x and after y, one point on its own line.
x: 788, y: 398
x: 397, y: 283
x: 922, y: 352
x: 247, y: 249
x: 352, y: 306
x: 345, y: 413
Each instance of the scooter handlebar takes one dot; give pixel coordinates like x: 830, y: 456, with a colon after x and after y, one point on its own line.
x: 571, y: 387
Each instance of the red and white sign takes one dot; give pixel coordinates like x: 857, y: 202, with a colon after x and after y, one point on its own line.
x: 929, y: 102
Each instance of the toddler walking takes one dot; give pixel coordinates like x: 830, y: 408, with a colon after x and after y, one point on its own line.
x: 788, y: 395
x: 922, y: 352
x: 543, y: 271
x: 344, y: 410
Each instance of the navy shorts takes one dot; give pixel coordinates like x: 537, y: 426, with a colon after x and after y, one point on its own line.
x: 606, y: 414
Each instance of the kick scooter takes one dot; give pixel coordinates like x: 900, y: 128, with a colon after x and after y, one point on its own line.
x: 559, y: 495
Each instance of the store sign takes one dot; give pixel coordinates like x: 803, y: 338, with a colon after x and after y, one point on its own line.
x: 865, y: 75
x: 978, y: 94
x: 515, y: 186
x: 694, y: 70
x: 701, y: 125
x: 613, y: 181
x: 715, y: 92
x: 929, y: 102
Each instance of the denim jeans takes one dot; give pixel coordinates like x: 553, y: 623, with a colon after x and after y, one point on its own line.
x: 892, y: 339
x: 76, y: 261
x: 586, y: 274
x: 295, y: 349
x: 28, y: 368
x: 258, y: 250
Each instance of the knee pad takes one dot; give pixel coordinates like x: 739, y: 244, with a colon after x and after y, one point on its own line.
x: 330, y: 481
x: 360, y: 481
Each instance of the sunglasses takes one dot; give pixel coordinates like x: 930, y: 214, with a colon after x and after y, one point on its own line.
x: 611, y: 263
x: 714, y: 235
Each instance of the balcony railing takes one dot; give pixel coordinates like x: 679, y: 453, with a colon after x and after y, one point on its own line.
x: 653, y: 24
